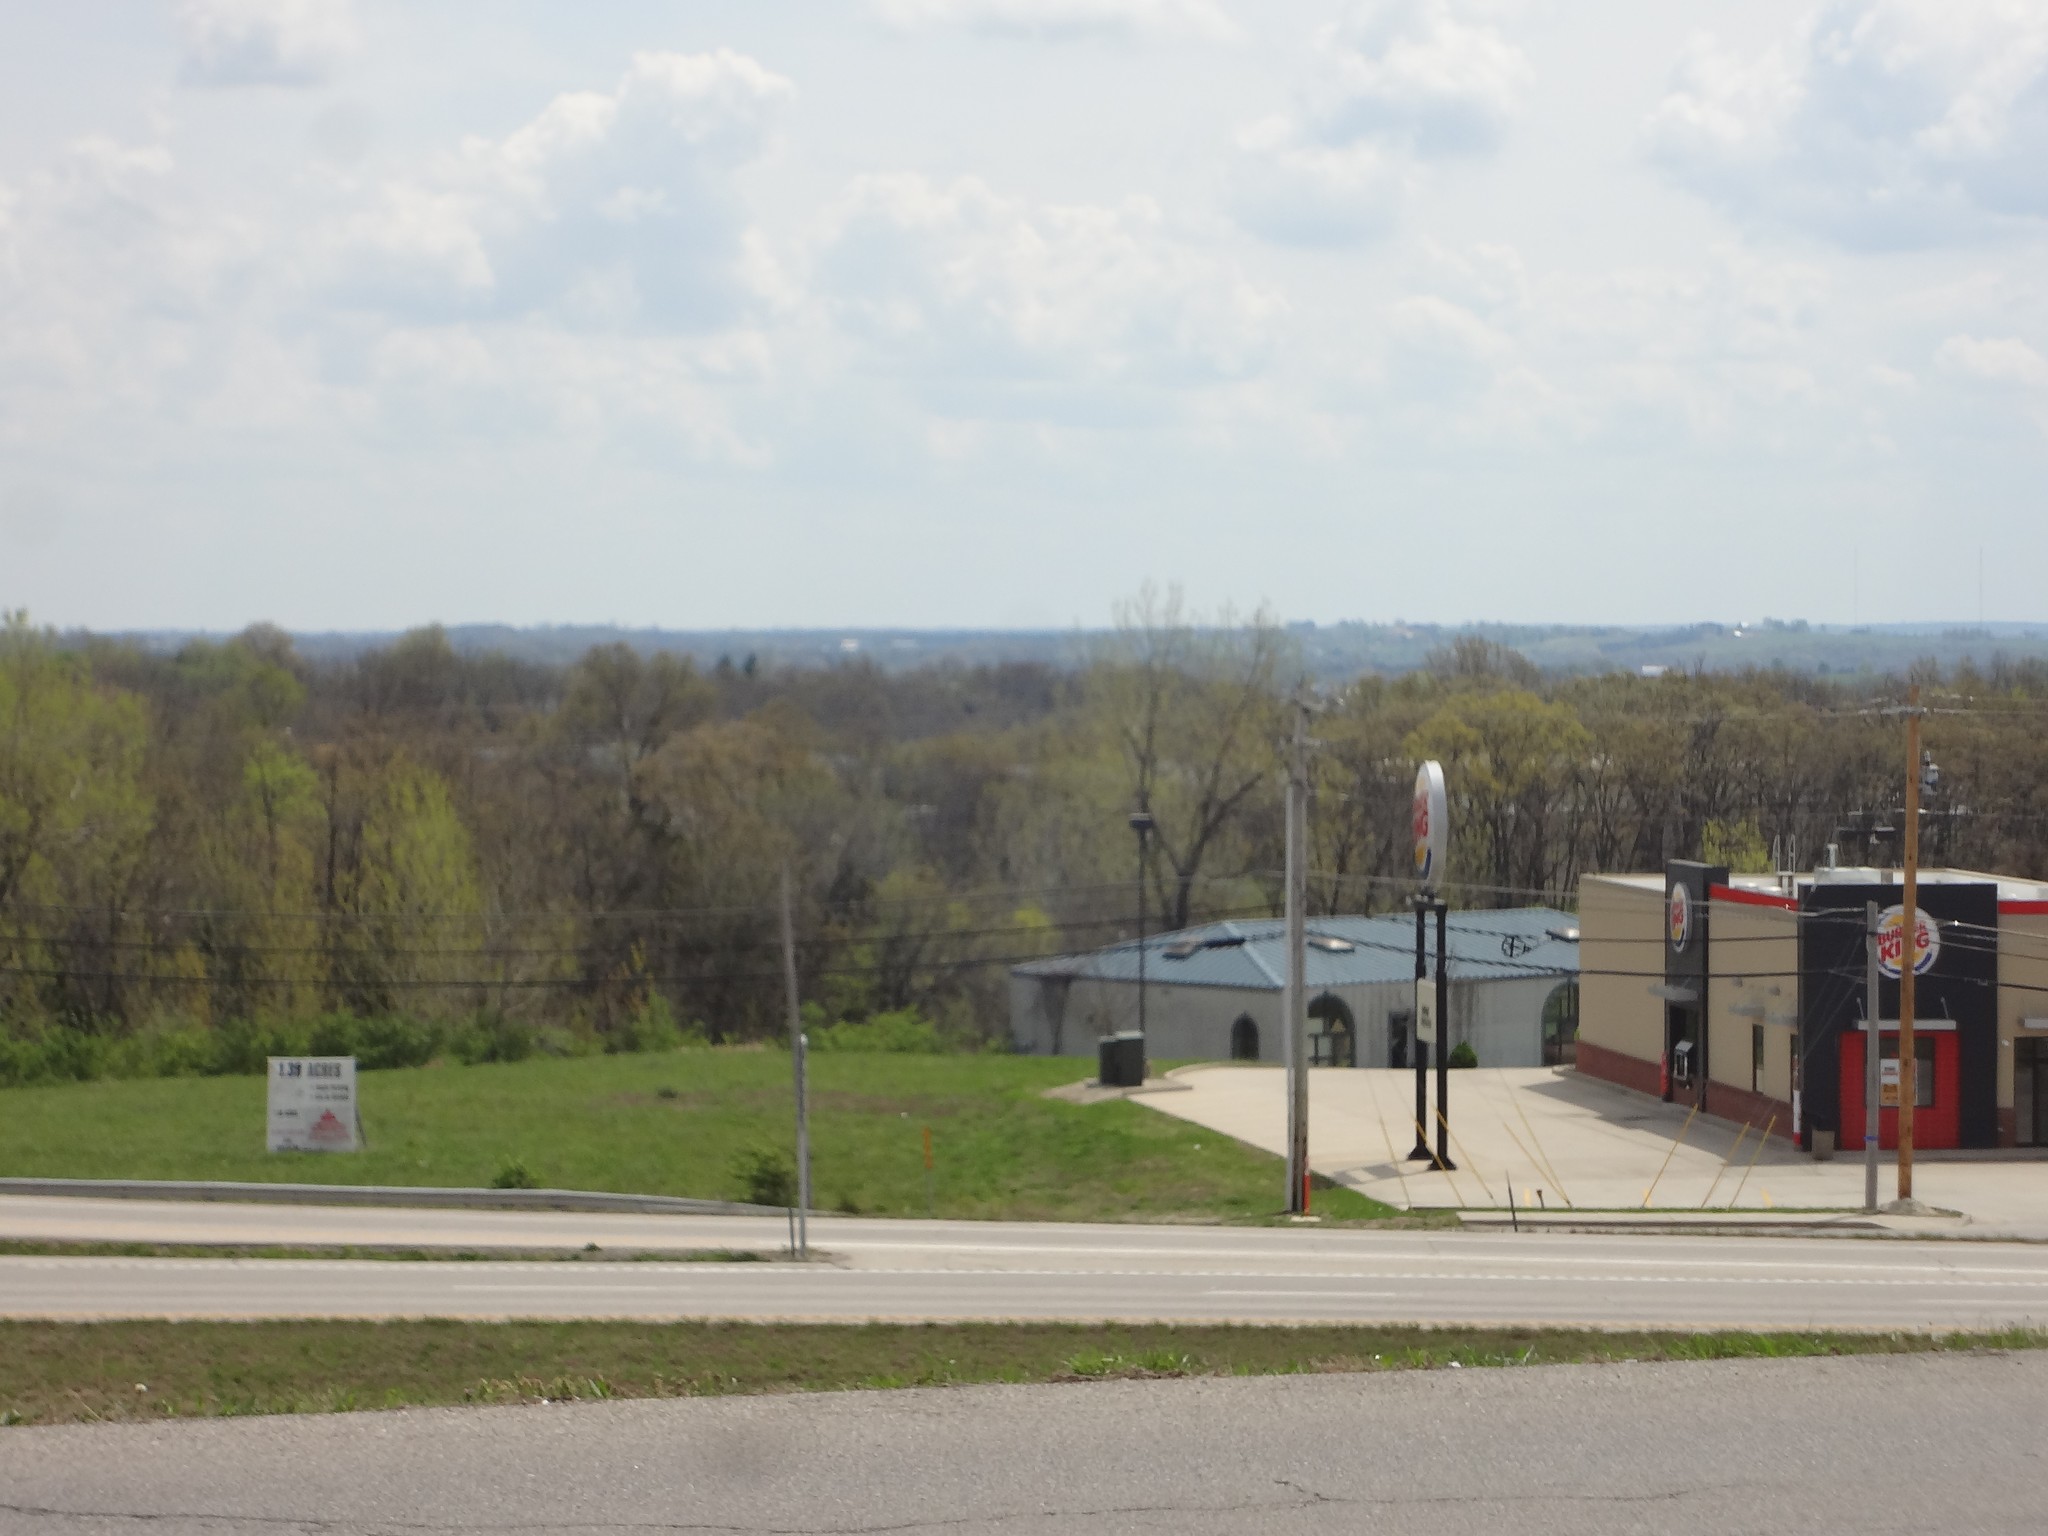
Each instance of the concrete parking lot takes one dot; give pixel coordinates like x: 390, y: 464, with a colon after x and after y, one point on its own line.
x: 1562, y: 1140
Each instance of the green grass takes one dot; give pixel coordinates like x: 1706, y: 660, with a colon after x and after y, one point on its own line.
x: 53, y: 1373
x: 1001, y: 1149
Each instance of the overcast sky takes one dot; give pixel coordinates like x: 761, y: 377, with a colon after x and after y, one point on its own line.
x: 367, y: 313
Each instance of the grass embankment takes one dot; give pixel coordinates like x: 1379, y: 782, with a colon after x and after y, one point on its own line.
x: 680, y: 1123
x: 83, y: 1372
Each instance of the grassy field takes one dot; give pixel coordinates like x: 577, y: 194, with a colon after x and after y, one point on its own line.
x: 85, y: 1372
x: 680, y: 1123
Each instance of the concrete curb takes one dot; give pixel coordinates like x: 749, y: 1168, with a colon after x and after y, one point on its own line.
x: 1593, y: 1224
x: 388, y: 1195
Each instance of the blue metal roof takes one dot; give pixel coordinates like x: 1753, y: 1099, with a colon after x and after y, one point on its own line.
x: 1342, y: 951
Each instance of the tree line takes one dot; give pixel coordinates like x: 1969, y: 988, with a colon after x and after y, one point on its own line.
x: 212, y: 852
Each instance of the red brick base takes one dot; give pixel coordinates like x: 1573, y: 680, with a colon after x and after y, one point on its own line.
x: 1727, y: 1102
x: 1629, y: 1071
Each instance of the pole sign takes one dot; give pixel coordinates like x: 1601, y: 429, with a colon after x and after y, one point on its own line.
x: 1425, y: 1011
x: 1431, y: 824
x: 313, y: 1104
x: 1891, y: 941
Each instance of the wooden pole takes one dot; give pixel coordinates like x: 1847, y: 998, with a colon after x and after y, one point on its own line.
x: 1909, y: 944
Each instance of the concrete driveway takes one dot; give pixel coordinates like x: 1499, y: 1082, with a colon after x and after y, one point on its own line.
x: 1565, y: 1140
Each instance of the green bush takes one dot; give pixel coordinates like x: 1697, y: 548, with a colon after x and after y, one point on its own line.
x: 906, y: 1032
x: 51, y: 1056
x: 378, y: 1044
x: 1462, y: 1055
x: 514, y: 1175
x: 766, y: 1176
x: 490, y: 1036
x: 652, y: 1027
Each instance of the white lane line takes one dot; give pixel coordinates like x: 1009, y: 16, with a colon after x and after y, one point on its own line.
x: 593, y: 1291
x: 1314, y: 1295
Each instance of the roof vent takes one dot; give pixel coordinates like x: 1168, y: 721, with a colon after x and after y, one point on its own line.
x: 1183, y: 949
x: 1330, y: 944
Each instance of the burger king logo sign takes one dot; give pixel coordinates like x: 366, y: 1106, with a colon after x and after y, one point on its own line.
x: 1678, y: 916
x: 1891, y: 942
x: 1429, y: 827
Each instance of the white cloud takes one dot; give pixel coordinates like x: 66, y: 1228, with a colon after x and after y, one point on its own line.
x: 1416, y: 72
x: 1881, y: 123
x: 1397, y: 85
x: 953, y: 280
x: 1295, y: 189
x: 265, y: 42
x: 606, y: 208
x: 2005, y: 360
x: 1203, y: 19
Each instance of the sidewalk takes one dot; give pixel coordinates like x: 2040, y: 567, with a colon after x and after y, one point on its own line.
x: 1572, y: 1144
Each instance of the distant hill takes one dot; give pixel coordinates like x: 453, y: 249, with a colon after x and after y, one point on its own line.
x: 1332, y: 651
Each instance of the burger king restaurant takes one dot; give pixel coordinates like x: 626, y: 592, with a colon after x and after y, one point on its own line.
x: 1746, y: 996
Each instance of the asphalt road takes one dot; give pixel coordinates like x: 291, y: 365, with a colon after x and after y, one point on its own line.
x: 986, y: 1270
x: 1868, y: 1445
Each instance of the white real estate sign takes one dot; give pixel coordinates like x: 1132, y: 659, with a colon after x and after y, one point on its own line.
x: 313, y: 1104
x: 1425, y: 1011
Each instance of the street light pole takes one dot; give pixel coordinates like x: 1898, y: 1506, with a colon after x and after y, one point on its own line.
x: 1294, y: 991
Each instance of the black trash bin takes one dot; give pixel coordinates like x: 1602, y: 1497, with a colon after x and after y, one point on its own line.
x: 1121, y: 1061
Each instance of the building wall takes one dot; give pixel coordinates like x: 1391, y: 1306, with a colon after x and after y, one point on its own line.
x: 1754, y: 951
x: 1621, y: 956
x: 2022, y: 963
x: 1502, y: 1019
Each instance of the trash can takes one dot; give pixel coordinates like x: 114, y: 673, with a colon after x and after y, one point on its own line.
x: 1120, y: 1061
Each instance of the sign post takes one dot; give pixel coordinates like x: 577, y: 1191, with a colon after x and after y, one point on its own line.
x: 1431, y: 826
x: 312, y: 1105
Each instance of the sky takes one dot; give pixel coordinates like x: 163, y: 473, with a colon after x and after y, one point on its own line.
x: 361, y: 314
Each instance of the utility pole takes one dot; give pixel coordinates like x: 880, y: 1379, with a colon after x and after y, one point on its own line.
x: 1142, y: 824
x: 798, y: 1051
x: 1873, y: 1017
x: 1293, y: 997
x: 1909, y: 943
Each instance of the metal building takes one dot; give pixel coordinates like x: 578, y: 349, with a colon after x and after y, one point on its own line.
x: 1214, y: 992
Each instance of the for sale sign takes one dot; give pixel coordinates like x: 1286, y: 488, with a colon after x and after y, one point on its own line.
x: 313, y: 1104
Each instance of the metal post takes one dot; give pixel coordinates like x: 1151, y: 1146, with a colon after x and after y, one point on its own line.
x: 1294, y: 1002
x: 1443, y: 1039
x: 1873, y: 1016
x: 1141, y: 823
x: 1909, y: 944
x: 798, y: 1050
x: 1421, y: 1153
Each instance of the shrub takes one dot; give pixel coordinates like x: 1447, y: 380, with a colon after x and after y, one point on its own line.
x: 766, y: 1176
x: 490, y: 1036
x: 1462, y: 1055
x: 514, y: 1175
x: 378, y: 1044
x: 906, y: 1032
x: 53, y: 1056
x: 651, y: 1027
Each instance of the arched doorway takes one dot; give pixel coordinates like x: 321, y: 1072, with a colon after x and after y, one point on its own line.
x: 1561, y: 1025
x: 1244, y: 1039
x: 1333, y: 1033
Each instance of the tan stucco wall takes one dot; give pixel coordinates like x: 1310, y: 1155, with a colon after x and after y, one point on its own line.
x: 1621, y: 930
x: 1755, y: 956
x: 2022, y: 962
